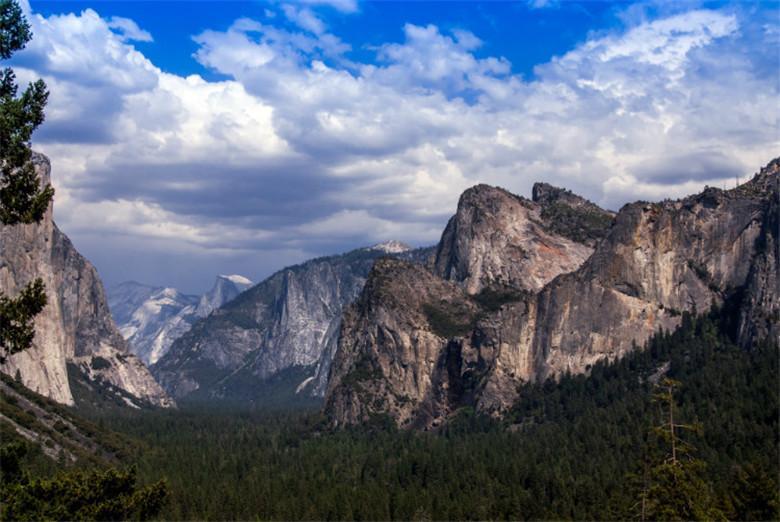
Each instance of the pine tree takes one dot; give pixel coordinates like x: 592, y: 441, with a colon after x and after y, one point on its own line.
x: 22, y: 199
x: 74, y: 495
x: 673, y: 487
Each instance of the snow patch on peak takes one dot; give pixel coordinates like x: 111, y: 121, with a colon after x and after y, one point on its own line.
x: 391, y: 247
x: 237, y: 279
x: 168, y: 292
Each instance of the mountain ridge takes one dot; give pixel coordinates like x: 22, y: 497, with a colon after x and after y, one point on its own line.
x: 152, y: 318
x: 417, y: 350
x: 288, y: 322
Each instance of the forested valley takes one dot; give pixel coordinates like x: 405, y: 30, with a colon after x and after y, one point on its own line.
x: 584, y: 447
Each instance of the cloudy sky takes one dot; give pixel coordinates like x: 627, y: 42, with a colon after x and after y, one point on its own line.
x: 194, y: 138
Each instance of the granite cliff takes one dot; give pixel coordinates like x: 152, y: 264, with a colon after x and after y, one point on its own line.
x: 419, y: 344
x: 283, y: 330
x: 498, y: 239
x: 152, y: 318
x: 75, y: 328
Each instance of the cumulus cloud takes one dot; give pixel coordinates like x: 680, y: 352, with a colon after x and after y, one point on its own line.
x: 303, y: 152
x: 304, y: 18
x: 128, y: 30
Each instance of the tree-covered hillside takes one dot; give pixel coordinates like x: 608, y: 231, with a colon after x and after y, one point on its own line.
x: 581, y: 448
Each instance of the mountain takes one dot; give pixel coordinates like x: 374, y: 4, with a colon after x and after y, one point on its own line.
x: 420, y: 344
x: 75, y: 328
x: 225, y: 289
x: 498, y: 239
x: 151, y: 318
x: 285, y: 327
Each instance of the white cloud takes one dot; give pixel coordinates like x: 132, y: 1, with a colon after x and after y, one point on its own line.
x: 428, y: 59
x: 304, y: 152
x: 128, y: 30
x: 304, y: 18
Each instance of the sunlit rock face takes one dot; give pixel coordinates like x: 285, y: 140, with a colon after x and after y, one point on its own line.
x: 75, y: 327
x: 499, y: 239
x: 418, y: 344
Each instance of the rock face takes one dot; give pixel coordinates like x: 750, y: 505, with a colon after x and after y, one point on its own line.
x: 225, y: 289
x: 75, y: 327
x: 392, y: 355
x: 152, y: 318
x: 417, y: 347
x: 499, y: 239
x: 288, y: 322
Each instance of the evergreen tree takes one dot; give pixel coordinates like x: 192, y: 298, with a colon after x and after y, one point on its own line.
x: 74, y: 495
x: 22, y: 199
x: 674, y: 487
x: 16, y: 318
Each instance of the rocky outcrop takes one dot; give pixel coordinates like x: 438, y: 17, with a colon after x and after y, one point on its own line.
x: 498, y: 239
x: 759, y: 302
x: 392, y: 353
x: 152, y: 318
x: 289, y: 321
x: 417, y: 348
x: 225, y: 289
x: 75, y: 326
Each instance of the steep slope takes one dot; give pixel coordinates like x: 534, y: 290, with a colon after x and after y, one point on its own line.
x: 58, y: 431
x: 285, y: 326
x: 225, y: 289
x: 75, y: 326
x: 498, y: 239
x: 151, y: 318
x: 418, y: 350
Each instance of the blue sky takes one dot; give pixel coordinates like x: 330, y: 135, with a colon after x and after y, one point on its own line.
x: 525, y: 35
x: 194, y: 138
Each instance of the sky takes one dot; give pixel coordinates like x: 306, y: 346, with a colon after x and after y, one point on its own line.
x: 190, y: 139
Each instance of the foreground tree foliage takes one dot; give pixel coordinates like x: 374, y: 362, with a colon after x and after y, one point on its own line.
x: 74, y: 495
x: 16, y: 318
x: 584, y: 447
x: 22, y: 199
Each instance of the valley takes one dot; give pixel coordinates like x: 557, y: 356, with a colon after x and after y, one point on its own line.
x: 353, y: 260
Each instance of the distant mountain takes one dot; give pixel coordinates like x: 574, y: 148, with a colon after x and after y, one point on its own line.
x: 225, y: 289
x: 75, y: 330
x: 391, y: 247
x: 283, y: 331
x: 523, y: 290
x: 151, y: 318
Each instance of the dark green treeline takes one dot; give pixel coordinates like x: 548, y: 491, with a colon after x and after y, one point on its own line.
x: 568, y: 451
x: 579, y: 448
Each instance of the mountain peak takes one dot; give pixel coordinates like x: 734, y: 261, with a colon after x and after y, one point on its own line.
x: 544, y: 192
x: 391, y: 247
x: 487, y: 196
x: 236, y: 279
x: 226, y: 288
x: 499, y: 239
x: 766, y: 180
